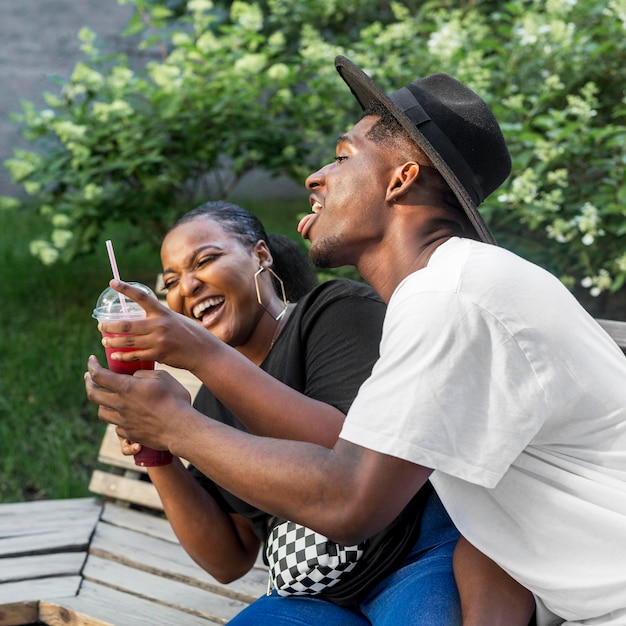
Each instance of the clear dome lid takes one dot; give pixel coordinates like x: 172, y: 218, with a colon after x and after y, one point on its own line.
x: 109, y: 306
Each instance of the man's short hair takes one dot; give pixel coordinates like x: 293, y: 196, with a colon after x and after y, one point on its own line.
x: 388, y: 132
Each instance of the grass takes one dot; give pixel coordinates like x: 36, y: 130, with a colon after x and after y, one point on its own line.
x: 49, y: 432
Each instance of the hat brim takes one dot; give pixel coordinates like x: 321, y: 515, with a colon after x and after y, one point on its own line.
x: 367, y: 93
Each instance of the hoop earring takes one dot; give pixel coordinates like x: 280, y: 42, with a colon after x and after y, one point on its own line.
x: 282, y: 288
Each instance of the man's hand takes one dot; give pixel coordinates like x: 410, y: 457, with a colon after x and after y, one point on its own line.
x: 144, y: 406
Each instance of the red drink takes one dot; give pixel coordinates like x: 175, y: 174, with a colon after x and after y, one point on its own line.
x: 109, y: 308
x: 124, y: 367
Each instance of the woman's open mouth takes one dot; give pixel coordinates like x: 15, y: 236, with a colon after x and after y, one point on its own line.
x: 206, y: 309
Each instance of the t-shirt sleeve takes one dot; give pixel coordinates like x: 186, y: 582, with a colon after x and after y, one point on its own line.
x: 452, y: 391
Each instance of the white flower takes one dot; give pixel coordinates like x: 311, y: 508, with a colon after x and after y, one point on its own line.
x: 248, y: 15
x: 85, y: 75
x: 207, y: 42
x: 617, y: 9
x: 278, y: 72
x: 68, y: 131
x: 168, y: 77
x: 199, y: 6
x: 250, y: 64
x: 46, y: 253
x: 61, y: 237
x: 92, y: 191
x: 60, y: 220
x: 32, y: 188
x: 621, y: 263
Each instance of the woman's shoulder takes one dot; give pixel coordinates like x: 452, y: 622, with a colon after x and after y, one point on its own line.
x: 337, y: 302
x: 340, y: 288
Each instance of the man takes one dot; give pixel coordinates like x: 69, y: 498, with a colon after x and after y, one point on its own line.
x: 492, y: 381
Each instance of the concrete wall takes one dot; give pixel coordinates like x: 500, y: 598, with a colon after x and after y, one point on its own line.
x: 38, y: 40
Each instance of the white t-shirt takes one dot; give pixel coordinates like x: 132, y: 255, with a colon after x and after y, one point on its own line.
x: 494, y: 376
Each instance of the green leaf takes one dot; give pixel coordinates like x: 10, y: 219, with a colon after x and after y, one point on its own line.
x: 134, y: 26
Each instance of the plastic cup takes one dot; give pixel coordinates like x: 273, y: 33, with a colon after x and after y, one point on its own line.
x: 110, y: 308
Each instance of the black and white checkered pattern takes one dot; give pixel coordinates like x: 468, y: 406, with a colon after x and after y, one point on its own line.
x: 303, y: 562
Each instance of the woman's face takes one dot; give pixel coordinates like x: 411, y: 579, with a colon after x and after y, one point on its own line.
x: 209, y: 277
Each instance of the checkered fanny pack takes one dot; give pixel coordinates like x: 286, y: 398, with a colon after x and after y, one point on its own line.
x: 303, y: 562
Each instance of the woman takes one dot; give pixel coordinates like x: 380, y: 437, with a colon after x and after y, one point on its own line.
x: 293, y: 373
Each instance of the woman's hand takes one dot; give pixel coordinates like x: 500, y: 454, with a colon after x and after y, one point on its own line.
x: 127, y: 447
x: 163, y: 336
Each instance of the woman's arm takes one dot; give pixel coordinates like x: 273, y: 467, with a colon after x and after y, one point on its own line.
x: 266, y: 406
x: 223, y: 544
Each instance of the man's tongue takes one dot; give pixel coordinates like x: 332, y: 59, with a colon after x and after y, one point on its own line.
x: 305, y: 224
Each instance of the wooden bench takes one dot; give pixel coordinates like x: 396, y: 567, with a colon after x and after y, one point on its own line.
x: 86, y: 561
x: 113, y: 560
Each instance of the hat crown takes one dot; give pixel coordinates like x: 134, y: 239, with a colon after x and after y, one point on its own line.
x: 469, y: 125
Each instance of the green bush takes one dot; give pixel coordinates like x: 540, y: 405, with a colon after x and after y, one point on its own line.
x: 234, y: 86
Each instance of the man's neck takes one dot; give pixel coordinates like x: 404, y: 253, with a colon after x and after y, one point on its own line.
x: 386, y: 272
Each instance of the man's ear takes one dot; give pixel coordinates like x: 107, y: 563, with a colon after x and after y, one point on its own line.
x: 402, y: 177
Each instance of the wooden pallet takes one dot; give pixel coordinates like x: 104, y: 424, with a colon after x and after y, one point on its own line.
x: 86, y: 561
x: 112, y: 560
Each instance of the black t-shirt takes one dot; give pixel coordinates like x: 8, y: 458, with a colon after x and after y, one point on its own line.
x: 326, y: 350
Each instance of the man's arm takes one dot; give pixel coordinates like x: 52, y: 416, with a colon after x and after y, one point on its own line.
x: 347, y: 493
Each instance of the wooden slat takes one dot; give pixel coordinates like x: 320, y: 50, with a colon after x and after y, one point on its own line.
x: 617, y: 330
x: 30, y: 517
x: 132, y: 490
x: 149, y: 524
x: 49, y: 526
x: 98, y: 605
x: 144, y: 552
x: 169, y: 561
x: 41, y: 566
x: 177, y: 595
x: 145, y: 523
x: 19, y: 613
x: 35, y: 589
x: 63, y: 539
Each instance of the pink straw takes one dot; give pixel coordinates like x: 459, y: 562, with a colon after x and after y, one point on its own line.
x: 116, y: 273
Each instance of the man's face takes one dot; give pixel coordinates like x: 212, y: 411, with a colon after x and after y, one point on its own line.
x: 348, y: 200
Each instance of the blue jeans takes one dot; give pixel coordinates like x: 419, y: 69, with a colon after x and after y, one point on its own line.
x: 422, y: 592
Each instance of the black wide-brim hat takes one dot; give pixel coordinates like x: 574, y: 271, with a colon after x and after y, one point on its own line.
x: 452, y: 125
